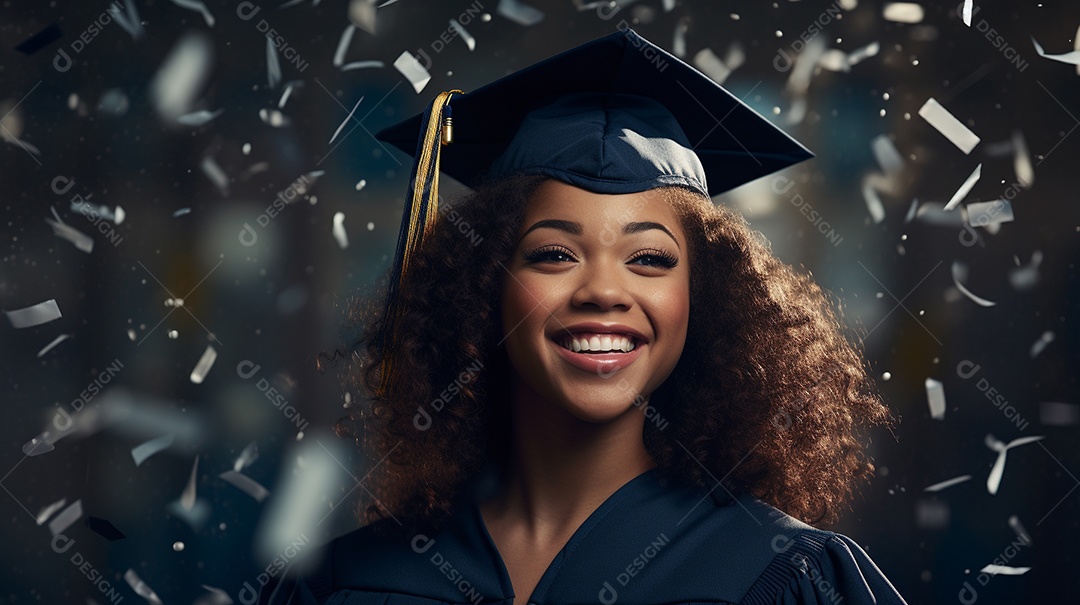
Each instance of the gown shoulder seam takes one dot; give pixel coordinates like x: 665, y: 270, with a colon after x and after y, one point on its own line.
x: 793, y: 556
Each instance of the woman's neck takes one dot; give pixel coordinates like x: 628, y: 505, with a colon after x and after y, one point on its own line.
x: 561, y: 468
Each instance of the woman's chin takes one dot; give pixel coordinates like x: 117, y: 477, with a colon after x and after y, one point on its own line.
x: 597, y: 410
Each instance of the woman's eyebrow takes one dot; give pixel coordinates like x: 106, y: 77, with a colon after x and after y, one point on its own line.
x: 575, y: 228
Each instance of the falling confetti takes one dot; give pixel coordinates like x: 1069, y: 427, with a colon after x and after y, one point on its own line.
x: 281, y: 105
x: 113, y: 103
x: 1072, y: 58
x: 274, y: 118
x: 35, y: 315
x: 860, y: 54
x: 197, y: 6
x: 179, y: 80
x: 40, y: 40
x: 104, y: 528
x: 412, y: 70
x: 937, y: 487
x: 65, y: 519
x: 886, y: 154
x: 362, y: 65
x: 129, y: 20
x: 47, y: 512
x: 1024, y: 278
x: 935, y: 396
x: 957, y: 269
x: 519, y: 12
x: 245, y: 484
x: 95, y: 212
x: 217, y: 596
x: 678, y: 43
x: 873, y: 201
x: 711, y: 65
x: 1039, y: 345
x: 144, y: 450
x: 249, y: 455
x: 993, y: 481
x: 273, y: 66
x: 1014, y: 523
x: 1005, y: 570
x: 139, y: 586
x: 51, y: 345
x: 966, y: 12
x: 465, y: 35
x: 986, y: 214
x: 362, y: 14
x: 346, y: 120
x: 339, y: 230
x: 343, y: 44
x: 934, y: 213
x: 80, y: 240
x: 964, y: 189
x: 217, y: 176
x: 1025, y: 172
x: 203, y: 366
x: 903, y: 12
x: 301, y: 502
x: 947, y: 124
x: 195, y: 517
x: 198, y: 118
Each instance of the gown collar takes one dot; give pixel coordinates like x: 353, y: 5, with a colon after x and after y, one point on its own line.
x: 644, y: 486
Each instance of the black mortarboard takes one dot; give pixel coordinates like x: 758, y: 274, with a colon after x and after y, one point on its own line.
x: 614, y: 115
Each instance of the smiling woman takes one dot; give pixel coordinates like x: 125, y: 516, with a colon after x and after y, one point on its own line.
x: 605, y: 285
x: 571, y: 299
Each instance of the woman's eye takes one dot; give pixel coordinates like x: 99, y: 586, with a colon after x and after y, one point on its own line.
x: 657, y: 260
x: 547, y: 254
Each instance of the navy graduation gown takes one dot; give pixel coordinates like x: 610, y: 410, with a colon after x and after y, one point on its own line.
x: 652, y: 542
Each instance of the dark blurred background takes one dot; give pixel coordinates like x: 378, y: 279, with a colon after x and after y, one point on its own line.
x: 247, y: 224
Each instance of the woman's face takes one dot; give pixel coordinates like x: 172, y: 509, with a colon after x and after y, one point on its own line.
x: 602, y: 272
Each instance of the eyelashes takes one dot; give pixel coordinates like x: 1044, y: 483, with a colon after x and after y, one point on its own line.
x: 657, y: 258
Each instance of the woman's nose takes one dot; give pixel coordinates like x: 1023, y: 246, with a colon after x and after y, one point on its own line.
x: 602, y: 286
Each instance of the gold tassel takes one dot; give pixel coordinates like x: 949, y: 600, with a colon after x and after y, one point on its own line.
x: 422, y: 211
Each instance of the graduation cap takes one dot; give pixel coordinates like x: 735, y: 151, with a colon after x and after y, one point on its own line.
x: 614, y: 115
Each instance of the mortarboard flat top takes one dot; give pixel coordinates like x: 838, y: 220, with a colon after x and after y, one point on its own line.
x: 733, y: 143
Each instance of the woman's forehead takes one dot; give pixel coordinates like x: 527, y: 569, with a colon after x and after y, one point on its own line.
x: 555, y: 195
x: 597, y: 212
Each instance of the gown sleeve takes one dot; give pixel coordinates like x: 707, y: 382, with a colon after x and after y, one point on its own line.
x: 822, y: 568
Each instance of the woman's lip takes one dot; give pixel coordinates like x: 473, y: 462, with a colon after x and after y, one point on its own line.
x: 598, y: 363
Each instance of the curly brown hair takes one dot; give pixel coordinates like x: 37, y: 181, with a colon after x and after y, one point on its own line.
x: 768, y: 393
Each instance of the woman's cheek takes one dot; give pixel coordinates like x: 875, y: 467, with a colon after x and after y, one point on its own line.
x: 519, y: 302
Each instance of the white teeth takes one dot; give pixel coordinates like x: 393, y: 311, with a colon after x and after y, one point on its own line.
x: 598, y: 343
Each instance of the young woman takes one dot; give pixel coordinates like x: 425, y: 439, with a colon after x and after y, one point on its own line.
x: 589, y: 383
